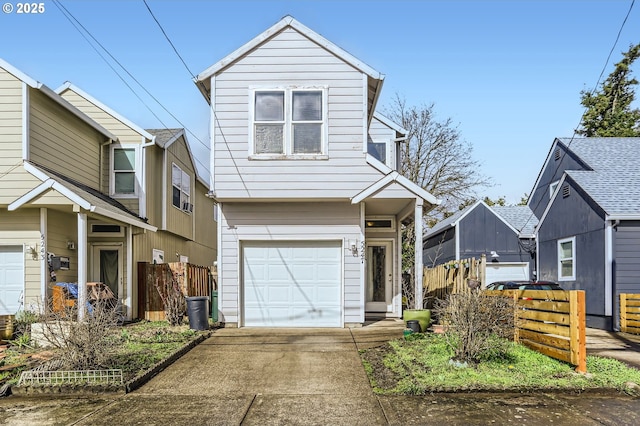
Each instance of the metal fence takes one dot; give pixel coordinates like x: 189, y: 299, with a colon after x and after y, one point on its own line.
x: 70, y: 377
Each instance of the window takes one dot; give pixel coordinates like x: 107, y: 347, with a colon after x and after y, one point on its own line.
x: 567, y: 259
x: 380, y: 223
x: 105, y: 229
x: 552, y: 188
x: 288, y: 122
x: 181, y: 186
x: 124, y: 171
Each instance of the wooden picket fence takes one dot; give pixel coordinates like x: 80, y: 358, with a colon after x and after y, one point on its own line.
x: 630, y: 313
x: 552, y: 323
x: 192, y: 280
x: 451, y: 278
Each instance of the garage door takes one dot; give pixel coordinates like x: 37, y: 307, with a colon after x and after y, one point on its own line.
x: 292, y: 284
x: 11, y: 279
x: 507, y: 272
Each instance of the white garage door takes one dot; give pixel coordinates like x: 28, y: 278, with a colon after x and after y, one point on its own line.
x: 292, y: 284
x: 507, y: 272
x: 11, y: 279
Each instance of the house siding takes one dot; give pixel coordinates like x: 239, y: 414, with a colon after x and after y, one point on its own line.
x: 381, y: 133
x: 626, y: 264
x: 481, y: 232
x: 23, y: 229
x: 290, y: 59
x: 440, y: 248
x: 59, y: 141
x: 553, y: 171
x: 14, y: 179
x: 126, y: 136
x: 286, y: 222
x: 178, y: 221
x: 586, y: 223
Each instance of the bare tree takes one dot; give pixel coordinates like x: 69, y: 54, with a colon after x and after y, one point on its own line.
x: 436, y: 157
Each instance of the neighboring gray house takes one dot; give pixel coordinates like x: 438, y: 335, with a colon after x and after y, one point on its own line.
x: 587, y: 197
x: 504, y: 233
x: 304, y: 173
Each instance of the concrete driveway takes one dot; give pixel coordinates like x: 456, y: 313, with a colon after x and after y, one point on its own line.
x: 303, y: 377
x: 261, y: 376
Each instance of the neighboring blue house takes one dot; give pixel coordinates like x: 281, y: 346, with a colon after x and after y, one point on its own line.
x: 587, y: 199
x: 504, y: 233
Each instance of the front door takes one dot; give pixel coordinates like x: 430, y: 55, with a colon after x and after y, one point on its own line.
x: 379, y: 262
x: 107, y: 267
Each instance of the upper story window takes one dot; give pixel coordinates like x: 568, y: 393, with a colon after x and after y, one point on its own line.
x: 289, y: 123
x: 123, y: 167
x: 181, y: 186
x: 567, y: 259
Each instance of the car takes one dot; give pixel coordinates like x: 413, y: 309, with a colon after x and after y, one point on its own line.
x: 524, y: 285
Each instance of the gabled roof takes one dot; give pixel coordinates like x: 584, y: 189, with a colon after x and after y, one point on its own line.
x: 164, y: 138
x: 390, y: 179
x: 70, y: 86
x: 288, y: 21
x: 55, y: 97
x: 613, y: 181
x: 519, y: 218
x: 390, y: 124
x: 375, y: 78
x: 77, y: 193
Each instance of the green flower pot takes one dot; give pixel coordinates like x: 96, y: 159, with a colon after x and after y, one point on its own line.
x: 422, y: 315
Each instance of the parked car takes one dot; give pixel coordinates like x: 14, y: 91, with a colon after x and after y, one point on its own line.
x: 524, y: 285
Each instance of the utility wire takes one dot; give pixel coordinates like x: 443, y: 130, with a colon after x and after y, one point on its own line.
x: 593, y: 90
x: 207, y: 94
x: 76, y: 23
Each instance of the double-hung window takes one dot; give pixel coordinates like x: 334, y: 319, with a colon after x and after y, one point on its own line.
x: 181, y: 189
x: 123, y: 166
x: 567, y: 259
x: 289, y: 123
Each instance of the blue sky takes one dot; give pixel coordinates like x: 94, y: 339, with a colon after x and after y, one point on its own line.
x: 508, y: 73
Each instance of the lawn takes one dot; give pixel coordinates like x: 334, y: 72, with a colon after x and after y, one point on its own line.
x: 135, y: 348
x: 420, y: 364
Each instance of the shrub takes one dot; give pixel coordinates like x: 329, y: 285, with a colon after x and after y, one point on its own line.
x: 173, y: 301
x: 478, y: 325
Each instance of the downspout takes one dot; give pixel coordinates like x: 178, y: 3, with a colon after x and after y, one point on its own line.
x: 418, y: 254
x: 143, y: 165
x: 82, y: 262
x: 457, y: 234
x: 129, y: 298
x: 363, y: 278
x: 100, y: 166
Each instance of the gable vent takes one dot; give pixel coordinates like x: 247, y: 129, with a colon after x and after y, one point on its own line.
x: 566, y: 191
x: 556, y: 154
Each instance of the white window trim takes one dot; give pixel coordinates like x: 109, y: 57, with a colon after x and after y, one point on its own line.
x: 181, y: 191
x: 137, y: 171
x: 288, y: 124
x: 573, y: 259
x: 553, y: 186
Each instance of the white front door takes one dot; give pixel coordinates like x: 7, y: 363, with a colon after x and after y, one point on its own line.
x: 107, y: 266
x: 380, y: 274
x: 11, y: 279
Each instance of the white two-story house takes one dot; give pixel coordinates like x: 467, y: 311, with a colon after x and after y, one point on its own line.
x: 304, y: 174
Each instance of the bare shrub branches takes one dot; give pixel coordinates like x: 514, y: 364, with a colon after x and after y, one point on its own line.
x: 173, y: 300
x: 477, y: 325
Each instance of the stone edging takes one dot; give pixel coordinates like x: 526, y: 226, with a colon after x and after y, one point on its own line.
x: 130, y: 386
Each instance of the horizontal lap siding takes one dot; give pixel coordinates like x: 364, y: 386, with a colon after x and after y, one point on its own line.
x: 14, y: 180
x: 61, y: 141
x: 288, y: 222
x: 22, y: 228
x: 290, y: 59
x: 627, y: 257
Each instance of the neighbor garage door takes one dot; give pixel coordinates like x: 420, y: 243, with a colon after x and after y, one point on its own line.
x: 11, y: 279
x: 507, y: 272
x: 292, y: 284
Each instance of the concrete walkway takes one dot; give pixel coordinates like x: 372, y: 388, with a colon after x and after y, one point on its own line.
x: 308, y: 377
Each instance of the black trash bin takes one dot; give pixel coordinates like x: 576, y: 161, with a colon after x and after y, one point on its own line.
x: 414, y: 325
x: 198, y: 312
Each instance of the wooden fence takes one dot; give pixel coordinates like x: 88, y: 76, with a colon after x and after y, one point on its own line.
x: 451, y: 278
x: 630, y: 313
x: 552, y: 323
x: 191, y: 279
